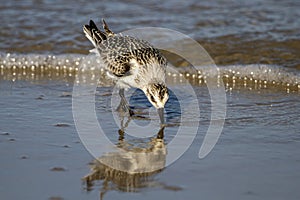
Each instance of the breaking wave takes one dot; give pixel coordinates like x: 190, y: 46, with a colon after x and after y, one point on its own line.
x: 17, y: 66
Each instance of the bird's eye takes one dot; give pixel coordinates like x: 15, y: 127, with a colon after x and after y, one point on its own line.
x: 152, y: 99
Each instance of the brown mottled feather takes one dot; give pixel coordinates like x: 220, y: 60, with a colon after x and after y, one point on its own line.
x: 116, y: 51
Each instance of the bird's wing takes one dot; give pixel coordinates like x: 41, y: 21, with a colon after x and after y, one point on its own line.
x: 118, y: 51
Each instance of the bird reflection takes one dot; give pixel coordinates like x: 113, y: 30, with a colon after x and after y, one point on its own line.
x: 132, y: 168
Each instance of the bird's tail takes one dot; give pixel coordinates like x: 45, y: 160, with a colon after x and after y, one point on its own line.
x: 95, y: 35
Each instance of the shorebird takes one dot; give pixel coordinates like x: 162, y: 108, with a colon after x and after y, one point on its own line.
x: 131, y: 62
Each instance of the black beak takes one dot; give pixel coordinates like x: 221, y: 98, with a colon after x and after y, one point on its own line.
x: 160, y: 112
x: 160, y: 134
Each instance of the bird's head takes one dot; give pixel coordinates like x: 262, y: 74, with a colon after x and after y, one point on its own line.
x: 158, y: 95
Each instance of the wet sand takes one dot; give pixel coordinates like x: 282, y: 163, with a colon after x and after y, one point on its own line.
x: 43, y: 158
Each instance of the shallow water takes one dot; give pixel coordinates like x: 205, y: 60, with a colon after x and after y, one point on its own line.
x: 256, y: 152
x: 235, y: 32
x: 256, y: 47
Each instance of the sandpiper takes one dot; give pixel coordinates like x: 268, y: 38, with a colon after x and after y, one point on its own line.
x: 131, y: 62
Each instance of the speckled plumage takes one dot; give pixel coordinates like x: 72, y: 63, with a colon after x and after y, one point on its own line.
x: 131, y: 62
x: 118, y: 51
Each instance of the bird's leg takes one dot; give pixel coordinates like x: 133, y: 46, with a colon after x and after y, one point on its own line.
x: 124, y: 106
x: 124, y: 125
